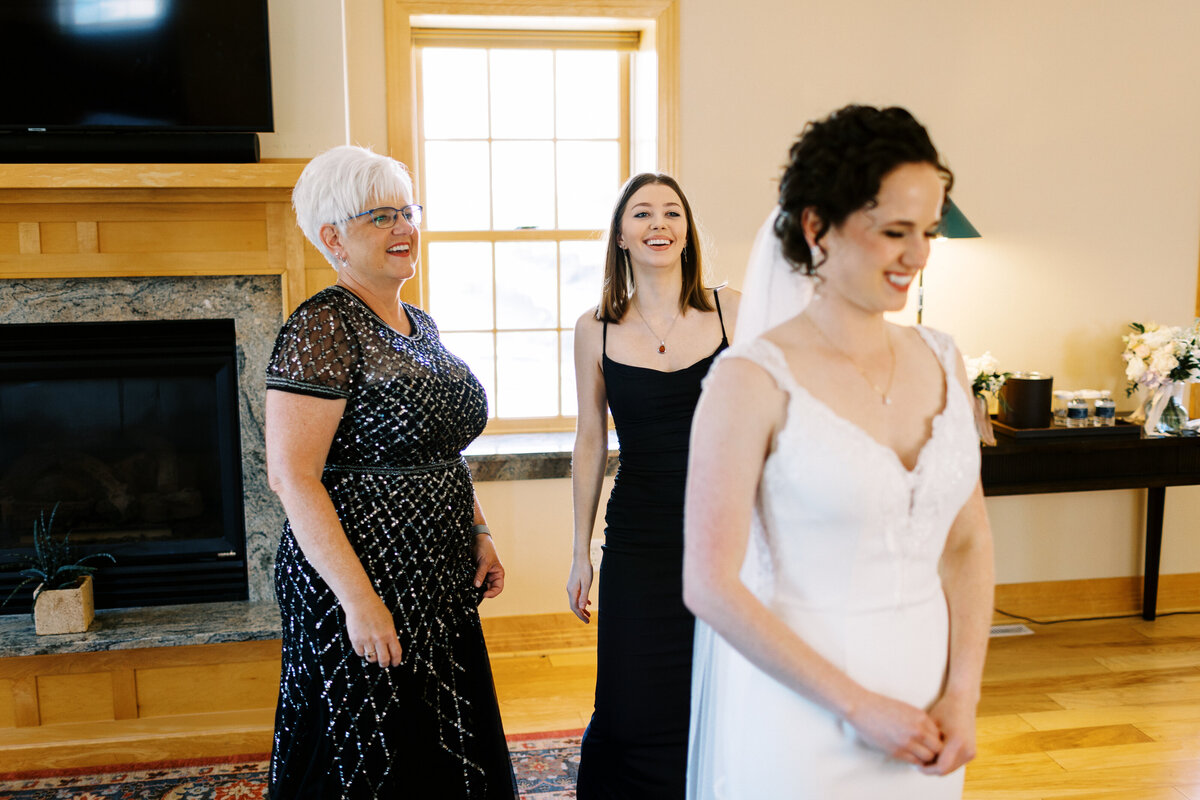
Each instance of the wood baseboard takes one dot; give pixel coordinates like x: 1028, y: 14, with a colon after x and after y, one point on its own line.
x: 1094, y: 597
x: 136, y: 741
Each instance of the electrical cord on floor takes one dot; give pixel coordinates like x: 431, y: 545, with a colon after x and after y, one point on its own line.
x: 1085, y: 619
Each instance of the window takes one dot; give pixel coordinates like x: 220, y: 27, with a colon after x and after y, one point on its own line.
x: 520, y: 138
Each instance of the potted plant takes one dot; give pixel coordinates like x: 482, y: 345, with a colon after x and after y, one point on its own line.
x: 62, y: 599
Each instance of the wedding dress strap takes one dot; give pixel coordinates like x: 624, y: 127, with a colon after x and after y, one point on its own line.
x: 767, y: 355
x: 942, y: 345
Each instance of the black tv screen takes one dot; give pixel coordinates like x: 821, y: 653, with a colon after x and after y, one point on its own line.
x: 135, y: 65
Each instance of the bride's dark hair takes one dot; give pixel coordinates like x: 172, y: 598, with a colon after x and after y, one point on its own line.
x: 837, y: 165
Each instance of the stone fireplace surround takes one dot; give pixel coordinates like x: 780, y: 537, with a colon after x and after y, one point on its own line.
x: 253, y: 302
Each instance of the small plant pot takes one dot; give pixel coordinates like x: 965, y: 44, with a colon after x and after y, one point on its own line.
x: 68, y: 610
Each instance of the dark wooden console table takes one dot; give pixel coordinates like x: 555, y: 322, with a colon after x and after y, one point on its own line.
x: 1088, y: 462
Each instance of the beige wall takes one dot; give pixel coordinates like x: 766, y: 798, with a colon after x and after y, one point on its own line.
x: 1072, y: 128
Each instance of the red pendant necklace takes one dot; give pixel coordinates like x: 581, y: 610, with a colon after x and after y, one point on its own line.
x: 662, y: 340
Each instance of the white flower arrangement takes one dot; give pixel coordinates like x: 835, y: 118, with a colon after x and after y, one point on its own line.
x: 1156, y: 355
x: 983, y: 374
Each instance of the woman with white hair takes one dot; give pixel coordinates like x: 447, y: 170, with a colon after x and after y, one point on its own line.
x: 385, y: 689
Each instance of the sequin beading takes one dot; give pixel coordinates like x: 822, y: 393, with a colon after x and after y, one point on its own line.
x: 415, y: 469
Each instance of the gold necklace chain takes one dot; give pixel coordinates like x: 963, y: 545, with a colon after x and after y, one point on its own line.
x: 662, y: 340
x: 884, y: 393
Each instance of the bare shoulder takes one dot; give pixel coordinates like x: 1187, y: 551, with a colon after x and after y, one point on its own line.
x: 729, y: 297
x: 589, y: 333
x: 588, y: 326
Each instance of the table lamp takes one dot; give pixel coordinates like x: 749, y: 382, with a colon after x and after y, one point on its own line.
x: 954, y: 225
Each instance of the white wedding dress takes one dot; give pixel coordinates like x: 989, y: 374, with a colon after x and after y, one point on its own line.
x: 844, y: 547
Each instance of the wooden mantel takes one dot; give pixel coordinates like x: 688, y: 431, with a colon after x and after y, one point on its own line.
x: 145, y: 220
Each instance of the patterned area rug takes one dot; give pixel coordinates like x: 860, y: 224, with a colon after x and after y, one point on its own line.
x: 545, y: 764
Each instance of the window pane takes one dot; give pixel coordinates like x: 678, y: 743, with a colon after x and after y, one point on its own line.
x: 528, y: 364
x: 456, y: 186
x: 645, y: 112
x: 582, y: 275
x: 588, y: 180
x: 570, y: 400
x: 522, y: 94
x: 476, y: 350
x: 454, y: 93
x: 523, y: 185
x: 460, y: 285
x: 588, y: 94
x: 527, y: 285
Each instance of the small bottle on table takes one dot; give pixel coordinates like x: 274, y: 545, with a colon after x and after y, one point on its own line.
x: 1077, y: 412
x: 1105, y: 410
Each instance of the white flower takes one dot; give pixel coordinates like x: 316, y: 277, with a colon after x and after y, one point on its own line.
x: 1159, y: 354
x: 982, y: 373
x: 984, y: 364
x: 1156, y: 338
x: 1135, y: 369
x: 1163, y: 362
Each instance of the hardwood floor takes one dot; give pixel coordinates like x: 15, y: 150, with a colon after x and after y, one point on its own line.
x: 1104, y: 710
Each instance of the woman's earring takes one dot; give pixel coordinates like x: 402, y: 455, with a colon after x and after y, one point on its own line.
x: 683, y: 253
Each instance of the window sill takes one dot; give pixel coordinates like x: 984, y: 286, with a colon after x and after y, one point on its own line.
x: 527, y: 456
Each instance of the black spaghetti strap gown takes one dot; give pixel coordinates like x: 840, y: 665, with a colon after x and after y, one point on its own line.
x: 636, y: 744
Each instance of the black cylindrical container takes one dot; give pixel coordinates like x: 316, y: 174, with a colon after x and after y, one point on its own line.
x: 1025, y: 400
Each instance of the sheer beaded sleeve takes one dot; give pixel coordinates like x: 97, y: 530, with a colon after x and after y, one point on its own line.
x: 315, y: 352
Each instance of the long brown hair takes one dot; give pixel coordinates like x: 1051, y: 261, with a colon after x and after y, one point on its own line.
x: 618, y: 275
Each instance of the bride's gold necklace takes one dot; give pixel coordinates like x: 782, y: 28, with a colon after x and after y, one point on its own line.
x: 884, y: 392
x: 662, y: 340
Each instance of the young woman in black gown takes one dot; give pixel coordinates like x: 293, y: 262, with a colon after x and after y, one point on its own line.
x: 642, y: 354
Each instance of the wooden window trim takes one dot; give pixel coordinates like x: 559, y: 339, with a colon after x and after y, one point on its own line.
x: 401, y: 68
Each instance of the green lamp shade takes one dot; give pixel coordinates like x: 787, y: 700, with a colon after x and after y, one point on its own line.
x: 954, y: 224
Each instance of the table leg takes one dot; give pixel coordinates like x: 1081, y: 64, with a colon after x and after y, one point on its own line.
x: 1155, y: 500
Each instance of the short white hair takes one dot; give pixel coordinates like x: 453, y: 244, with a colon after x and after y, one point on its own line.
x: 342, y: 182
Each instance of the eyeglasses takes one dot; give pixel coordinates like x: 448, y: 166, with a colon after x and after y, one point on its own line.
x: 386, y: 216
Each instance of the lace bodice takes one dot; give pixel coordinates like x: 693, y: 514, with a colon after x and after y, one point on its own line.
x: 856, y: 529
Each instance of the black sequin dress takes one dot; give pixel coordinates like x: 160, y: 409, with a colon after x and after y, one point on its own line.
x: 429, y: 727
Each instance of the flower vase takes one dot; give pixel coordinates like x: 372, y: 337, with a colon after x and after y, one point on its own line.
x: 1166, y: 414
x: 983, y: 421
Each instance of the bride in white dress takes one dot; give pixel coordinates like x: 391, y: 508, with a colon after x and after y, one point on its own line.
x: 838, y: 555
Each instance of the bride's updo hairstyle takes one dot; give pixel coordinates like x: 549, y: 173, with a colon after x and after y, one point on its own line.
x: 837, y: 166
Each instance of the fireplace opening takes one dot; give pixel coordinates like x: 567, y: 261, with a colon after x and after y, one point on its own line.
x: 130, y: 431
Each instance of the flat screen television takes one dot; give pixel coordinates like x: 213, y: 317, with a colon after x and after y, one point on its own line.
x: 84, y: 71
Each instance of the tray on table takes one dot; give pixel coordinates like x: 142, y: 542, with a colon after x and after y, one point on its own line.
x: 1121, y: 428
